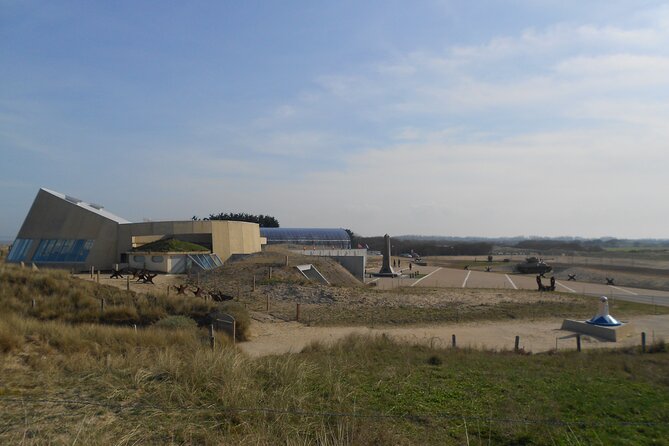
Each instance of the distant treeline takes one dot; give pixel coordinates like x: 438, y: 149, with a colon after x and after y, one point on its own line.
x: 425, y: 248
x: 582, y: 243
x: 265, y: 221
x: 558, y: 245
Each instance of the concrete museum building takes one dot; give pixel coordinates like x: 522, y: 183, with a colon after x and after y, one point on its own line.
x: 66, y: 232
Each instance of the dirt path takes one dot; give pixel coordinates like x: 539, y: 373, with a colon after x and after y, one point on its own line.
x: 536, y: 336
x: 161, y: 282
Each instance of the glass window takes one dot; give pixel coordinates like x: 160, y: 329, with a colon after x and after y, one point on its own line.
x: 65, y: 250
x: 157, y: 259
x: 205, y: 261
x: 19, y: 250
x: 333, y: 237
x: 55, y: 251
x: 85, y: 250
x: 62, y: 250
x: 138, y: 258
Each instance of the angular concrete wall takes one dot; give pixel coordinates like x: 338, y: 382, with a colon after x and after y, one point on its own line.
x: 234, y: 237
x: 52, y: 217
x: 56, y: 216
x: 354, y: 260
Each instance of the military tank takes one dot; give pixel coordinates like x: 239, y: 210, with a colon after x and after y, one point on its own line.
x: 532, y: 265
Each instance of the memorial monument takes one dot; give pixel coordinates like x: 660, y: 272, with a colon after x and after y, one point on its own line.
x: 386, y: 268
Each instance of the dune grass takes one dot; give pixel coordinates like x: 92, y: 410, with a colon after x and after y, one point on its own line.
x: 54, y: 295
x: 64, y: 380
x: 96, y: 384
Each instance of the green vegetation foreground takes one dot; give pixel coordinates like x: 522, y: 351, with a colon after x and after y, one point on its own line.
x: 104, y: 385
x: 64, y: 381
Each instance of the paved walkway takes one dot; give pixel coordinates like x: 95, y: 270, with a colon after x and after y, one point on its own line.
x: 436, y: 277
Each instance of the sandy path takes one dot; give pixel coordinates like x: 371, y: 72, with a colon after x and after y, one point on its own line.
x: 536, y: 336
x: 161, y: 282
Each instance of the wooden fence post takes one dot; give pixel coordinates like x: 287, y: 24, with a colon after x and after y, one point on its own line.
x: 92, y: 271
x: 127, y: 283
x: 168, y: 290
x: 453, y: 341
x: 517, y: 343
x: 269, y: 272
x: 97, y: 276
x: 578, y: 342
x: 212, y: 339
x: 32, y: 304
x: 297, y: 312
x: 102, y: 305
x: 643, y: 342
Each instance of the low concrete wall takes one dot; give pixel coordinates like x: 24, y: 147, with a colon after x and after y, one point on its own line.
x: 354, y: 260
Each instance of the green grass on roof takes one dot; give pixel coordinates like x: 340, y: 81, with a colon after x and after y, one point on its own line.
x: 171, y: 245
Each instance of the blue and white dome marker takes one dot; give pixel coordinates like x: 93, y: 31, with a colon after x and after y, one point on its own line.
x: 603, y: 317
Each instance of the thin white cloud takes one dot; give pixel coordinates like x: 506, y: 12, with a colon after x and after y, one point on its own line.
x: 443, y: 165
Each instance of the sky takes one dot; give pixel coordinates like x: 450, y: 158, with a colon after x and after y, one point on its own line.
x: 461, y: 118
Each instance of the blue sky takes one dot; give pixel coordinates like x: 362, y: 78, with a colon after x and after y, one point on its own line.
x: 459, y: 118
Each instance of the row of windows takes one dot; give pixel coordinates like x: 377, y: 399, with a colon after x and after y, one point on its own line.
x: 307, y: 236
x: 51, y: 250
x: 154, y: 259
x: 60, y: 250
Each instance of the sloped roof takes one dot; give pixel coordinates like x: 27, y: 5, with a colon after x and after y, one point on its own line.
x: 91, y: 207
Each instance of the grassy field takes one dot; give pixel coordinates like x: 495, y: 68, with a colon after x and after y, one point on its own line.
x: 409, y: 314
x: 408, y: 306
x: 93, y: 384
x: 71, y: 375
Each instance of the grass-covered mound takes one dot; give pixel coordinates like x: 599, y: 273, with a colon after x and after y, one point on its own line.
x: 54, y: 295
x: 171, y: 245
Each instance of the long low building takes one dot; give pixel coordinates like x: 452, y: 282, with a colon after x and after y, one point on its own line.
x: 66, y: 232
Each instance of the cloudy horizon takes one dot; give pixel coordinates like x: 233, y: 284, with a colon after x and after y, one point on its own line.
x: 437, y: 118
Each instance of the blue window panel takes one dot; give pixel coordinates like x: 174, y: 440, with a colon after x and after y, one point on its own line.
x: 55, y: 251
x: 65, y: 250
x: 76, y: 249
x: 19, y: 250
x: 47, y: 249
x: 195, y: 260
x: 39, y: 250
x: 205, y: 261
x: 62, y: 250
x: 81, y: 256
x: 307, y: 236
